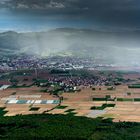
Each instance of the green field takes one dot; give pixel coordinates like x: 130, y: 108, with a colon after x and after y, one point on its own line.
x: 99, y: 99
x: 134, y: 86
x: 125, y: 99
x: 137, y: 99
x: 102, y: 107
x: 70, y: 110
x: 61, y: 107
x: 34, y: 108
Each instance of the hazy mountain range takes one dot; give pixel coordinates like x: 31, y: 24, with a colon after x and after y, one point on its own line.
x: 119, y: 47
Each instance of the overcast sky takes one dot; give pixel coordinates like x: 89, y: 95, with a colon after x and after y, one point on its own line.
x: 30, y: 15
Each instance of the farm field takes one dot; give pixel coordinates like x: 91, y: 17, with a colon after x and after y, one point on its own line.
x: 87, y: 102
x: 79, y: 103
x: 24, y: 99
x: 82, y: 102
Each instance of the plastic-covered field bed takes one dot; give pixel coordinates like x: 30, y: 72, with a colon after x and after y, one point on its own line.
x: 32, y: 102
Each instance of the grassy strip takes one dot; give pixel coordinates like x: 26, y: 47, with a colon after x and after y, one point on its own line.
x: 34, y: 109
x: 137, y: 99
x: 134, y: 86
x: 99, y: 99
x: 102, y: 107
x: 69, y: 110
x: 61, y: 107
x: 125, y: 99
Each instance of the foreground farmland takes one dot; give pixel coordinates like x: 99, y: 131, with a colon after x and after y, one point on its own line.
x: 122, y: 104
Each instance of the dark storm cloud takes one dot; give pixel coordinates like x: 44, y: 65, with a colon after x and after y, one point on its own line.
x: 119, y: 13
x: 83, y: 5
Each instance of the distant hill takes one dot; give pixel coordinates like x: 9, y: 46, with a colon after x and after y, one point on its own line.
x: 74, y: 42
